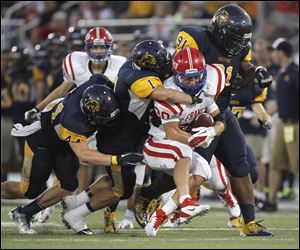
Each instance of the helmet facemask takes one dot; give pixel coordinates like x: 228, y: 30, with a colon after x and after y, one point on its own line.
x: 195, y: 88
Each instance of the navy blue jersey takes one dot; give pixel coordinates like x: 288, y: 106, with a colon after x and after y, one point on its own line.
x: 203, y: 40
x: 246, y: 96
x: 133, y: 88
x: 65, y: 121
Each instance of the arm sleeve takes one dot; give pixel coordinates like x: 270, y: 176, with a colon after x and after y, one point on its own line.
x: 143, y: 87
x: 212, y: 107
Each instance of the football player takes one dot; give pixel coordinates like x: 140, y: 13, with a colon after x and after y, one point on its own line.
x: 227, y: 43
x: 78, y: 67
x: 59, y: 140
x: 170, y: 146
x: 139, y: 82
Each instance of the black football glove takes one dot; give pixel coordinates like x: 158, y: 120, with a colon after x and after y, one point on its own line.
x: 127, y: 160
x: 265, y: 124
x: 263, y: 77
x: 32, y: 115
x: 196, y: 99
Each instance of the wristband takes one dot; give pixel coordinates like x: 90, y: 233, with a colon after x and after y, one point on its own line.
x: 114, y: 160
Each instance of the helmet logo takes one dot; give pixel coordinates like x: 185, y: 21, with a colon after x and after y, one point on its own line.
x: 222, y: 17
x: 147, y: 59
x: 92, y: 105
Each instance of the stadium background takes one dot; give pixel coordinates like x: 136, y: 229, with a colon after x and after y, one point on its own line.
x: 27, y: 24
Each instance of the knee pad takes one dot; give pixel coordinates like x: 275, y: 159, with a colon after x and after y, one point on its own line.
x: 33, y: 191
x: 254, y: 174
x: 69, y: 184
x: 239, y: 168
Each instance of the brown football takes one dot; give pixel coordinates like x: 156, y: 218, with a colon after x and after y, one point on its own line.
x: 203, y: 120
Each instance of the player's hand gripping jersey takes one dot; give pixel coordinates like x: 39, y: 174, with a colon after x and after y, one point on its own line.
x: 185, y: 114
x: 76, y: 68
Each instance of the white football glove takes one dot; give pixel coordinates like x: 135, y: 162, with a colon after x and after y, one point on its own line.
x: 125, y: 223
x: 32, y: 115
x: 202, y: 138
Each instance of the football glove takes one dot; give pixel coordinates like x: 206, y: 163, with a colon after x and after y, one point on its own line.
x: 202, y: 138
x: 127, y: 160
x: 265, y: 124
x: 196, y: 99
x: 32, y: 115
x: 263, y: 77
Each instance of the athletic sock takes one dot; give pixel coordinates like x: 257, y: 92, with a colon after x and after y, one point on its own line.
x: 32, y: 208
x: 150, y: 192
x: 113, y: 207
x: 183, y: 197
x: 248, y: 212
x: 169, y: 207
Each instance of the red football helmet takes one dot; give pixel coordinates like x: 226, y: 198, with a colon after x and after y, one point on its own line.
x: 189, y: 63
x: 99, y: 37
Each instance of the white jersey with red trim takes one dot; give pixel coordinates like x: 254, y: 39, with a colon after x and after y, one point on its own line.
x: 76, y: 68
x: 183, y: 113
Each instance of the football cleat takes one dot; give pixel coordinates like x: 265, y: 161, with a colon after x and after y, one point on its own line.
x: 173, y: 221
x: 253, y: 228
x: 110, y: 219
x: 236, y: 222
x: 68, y: 203
x: 140, y: 209
x: 22, y: 221
x: 230, y: 202
x: 155, y: 220
x: 86, y: 231
x: 44, y: 215
x: 190, y: 209
x: 76, y: 222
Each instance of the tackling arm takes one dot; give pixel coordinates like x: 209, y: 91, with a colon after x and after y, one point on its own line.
x: 60, y: 91
x: 170, y: 95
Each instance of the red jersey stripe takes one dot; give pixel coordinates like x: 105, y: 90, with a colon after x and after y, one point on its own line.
x: 70, y: 62
x: 165, y: 146
x: 169, y: 107
x: 65, y: 67
x: 220, y: 172
x: 157, y: 154
x: 220, y: 80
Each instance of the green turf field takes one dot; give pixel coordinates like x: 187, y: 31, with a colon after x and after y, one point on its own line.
x: 206, y: 232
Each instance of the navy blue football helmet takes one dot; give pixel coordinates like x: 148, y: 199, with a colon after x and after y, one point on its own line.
x: 232, y: 28
x: 99, y: 103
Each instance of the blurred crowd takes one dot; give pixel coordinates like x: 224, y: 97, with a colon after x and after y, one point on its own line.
x: 32, y: 68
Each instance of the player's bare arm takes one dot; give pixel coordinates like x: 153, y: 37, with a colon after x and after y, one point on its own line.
x: 170, y: 95
x: 86, y: 155
x: 60, y: 91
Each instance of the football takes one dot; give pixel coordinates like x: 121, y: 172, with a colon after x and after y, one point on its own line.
x: 203, y: 120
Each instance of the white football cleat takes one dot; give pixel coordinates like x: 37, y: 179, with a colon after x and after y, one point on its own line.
x: 173, y: 221
x: 155, y: 220
x: 21, y: 220
x: 44, y: 215
x: 124, y: 224
x: 190, y: 209
x: 75, y: 222
x: 69, y: 202
x: 230, y: 202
